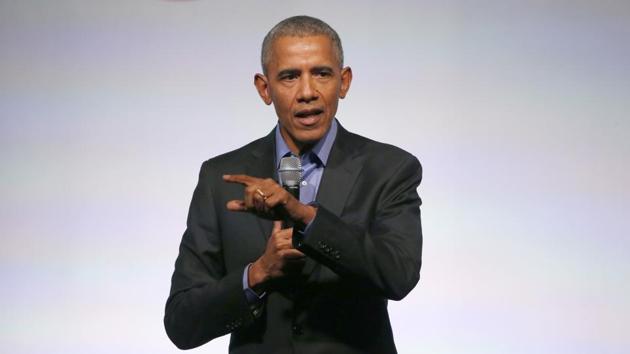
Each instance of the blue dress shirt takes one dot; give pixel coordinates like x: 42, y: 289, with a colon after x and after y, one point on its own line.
x: 313, y: 164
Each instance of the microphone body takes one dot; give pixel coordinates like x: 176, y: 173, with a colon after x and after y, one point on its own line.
x: 290, y: 175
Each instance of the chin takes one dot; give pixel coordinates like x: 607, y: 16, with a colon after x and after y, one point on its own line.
x: 311, y: 136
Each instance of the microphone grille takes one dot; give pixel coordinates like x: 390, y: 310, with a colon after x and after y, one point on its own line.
x: 290, y: 171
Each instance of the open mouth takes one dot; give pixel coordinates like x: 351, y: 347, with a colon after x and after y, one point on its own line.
x: 309, y: 116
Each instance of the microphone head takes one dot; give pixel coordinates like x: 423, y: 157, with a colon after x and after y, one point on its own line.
x: 290, y: 171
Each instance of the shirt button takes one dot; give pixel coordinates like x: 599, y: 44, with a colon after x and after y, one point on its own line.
x: 304, y: 183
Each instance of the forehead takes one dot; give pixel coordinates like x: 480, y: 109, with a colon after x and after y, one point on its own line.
x: 293, y: 50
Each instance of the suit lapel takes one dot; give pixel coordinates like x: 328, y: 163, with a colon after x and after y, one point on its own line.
x: 261, y: 165
x: 337, y: 181
x: 343, y: 167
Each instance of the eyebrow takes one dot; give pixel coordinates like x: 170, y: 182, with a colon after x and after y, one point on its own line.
x: 319, y: 69
x: 296, y: 72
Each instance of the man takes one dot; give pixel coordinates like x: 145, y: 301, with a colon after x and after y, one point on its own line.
x: 321, y: 286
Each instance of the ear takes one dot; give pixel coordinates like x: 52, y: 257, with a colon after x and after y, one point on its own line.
x: 346, y: 79
x: 262, y: 86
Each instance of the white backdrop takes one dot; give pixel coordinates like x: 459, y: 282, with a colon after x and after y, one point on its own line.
x: 517, y: 110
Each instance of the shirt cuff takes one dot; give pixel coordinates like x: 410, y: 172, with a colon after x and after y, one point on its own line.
x: 252, y: 297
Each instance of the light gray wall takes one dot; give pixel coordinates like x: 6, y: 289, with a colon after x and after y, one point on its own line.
x: 517, y: 110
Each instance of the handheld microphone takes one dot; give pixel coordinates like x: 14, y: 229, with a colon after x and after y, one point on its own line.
x: 290, y: 176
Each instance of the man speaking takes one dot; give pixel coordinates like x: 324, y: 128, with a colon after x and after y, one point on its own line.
x: 296, y: 241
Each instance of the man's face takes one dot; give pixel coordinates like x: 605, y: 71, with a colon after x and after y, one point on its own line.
x: 304, y: 82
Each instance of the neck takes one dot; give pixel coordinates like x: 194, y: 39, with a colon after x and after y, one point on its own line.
x: 296, y: 147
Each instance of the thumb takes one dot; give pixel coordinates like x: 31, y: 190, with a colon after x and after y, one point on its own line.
x: 277, y: 226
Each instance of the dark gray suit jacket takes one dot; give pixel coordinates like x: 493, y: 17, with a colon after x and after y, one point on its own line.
x: 364, y: 247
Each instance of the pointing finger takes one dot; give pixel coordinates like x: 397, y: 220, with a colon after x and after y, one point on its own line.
x: 242, y: 179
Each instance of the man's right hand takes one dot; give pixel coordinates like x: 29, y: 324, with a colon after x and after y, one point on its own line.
x: 279, y: 253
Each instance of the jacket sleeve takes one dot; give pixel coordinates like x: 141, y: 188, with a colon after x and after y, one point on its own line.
x: 385, y: 253
x: 205, y: 302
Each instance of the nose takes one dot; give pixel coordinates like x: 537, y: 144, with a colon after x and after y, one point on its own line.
x: 307, y: 91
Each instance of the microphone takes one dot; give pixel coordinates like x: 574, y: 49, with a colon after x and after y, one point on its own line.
x: 290, y: 175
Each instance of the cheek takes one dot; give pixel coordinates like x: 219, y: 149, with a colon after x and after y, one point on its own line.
x: 332, y: 94
x: 283, y: 101
x: 331, y: 100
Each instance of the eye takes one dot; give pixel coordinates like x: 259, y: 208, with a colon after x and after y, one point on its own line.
x: 289, y: 77
x: 323, y: 73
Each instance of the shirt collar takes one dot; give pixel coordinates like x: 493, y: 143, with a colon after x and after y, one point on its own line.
x: 321, y: 149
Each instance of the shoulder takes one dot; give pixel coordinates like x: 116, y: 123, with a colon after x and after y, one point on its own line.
x: 241, y: 155
x: 377, y: 153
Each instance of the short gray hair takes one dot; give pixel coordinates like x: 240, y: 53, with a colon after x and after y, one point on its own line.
x: 299, y: 26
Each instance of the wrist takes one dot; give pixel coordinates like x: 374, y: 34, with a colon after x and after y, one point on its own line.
x: 298, y: 212
x: 308, y: 214
x: 256, y: 276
